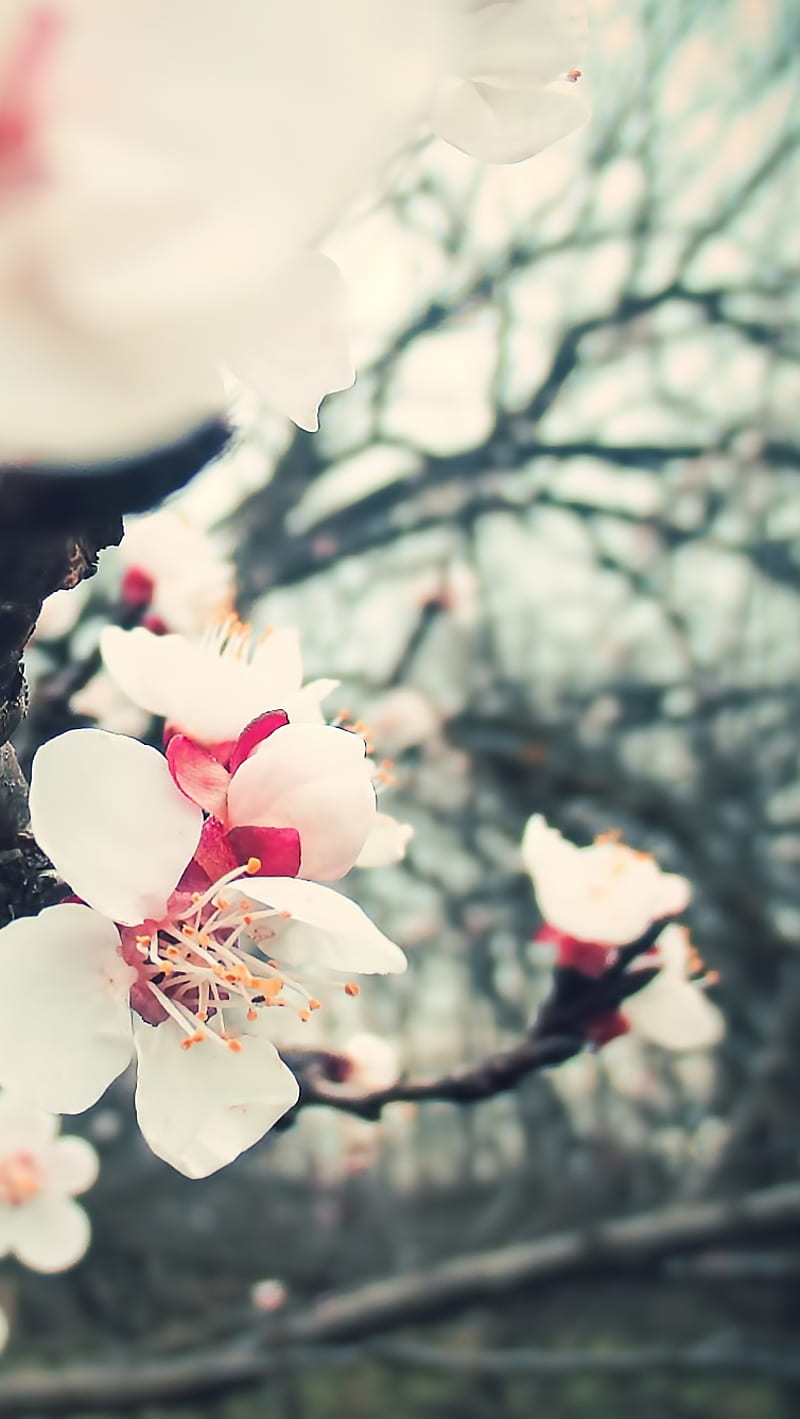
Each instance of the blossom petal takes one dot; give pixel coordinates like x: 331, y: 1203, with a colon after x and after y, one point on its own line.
x: 496, y: 125
x: 204, y: 694
x: 312, y: 778
x: 72, y: 1166
x: 278, y: 849
x: 200, y: 1108
x: 675, y: 1014
x: 200, y: 776
x: 308, y: 354
x: 50, y: 1233
x: 326, y: 928
x: 254, y: 734
x: 105, y: 810
x: 24, y: 1128
x: 65, y: 1027
x: 385, y: 843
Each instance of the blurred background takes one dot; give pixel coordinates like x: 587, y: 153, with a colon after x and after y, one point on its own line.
x: 549, y: 546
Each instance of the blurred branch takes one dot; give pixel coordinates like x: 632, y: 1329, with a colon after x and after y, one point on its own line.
x: 558, y: 1033
x: 619, y: 1248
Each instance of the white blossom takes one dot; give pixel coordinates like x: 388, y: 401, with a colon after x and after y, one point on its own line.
x: 159, y: 960
x: 40, y: 1175
x: 606, y: 893
x: 173, y: 570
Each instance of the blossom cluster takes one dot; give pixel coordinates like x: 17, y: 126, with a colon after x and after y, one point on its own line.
x: 200, y: 905
x: 598, y: 903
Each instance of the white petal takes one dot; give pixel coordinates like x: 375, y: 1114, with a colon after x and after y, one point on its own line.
x: 307, y: 352
x: 142, y: 664
x: 50, y: 1233
x: 289, y: 759
x: 200, y: 1108
x: 106, y: 811
x: 72, y: 1166
x: 386, y: 842
x: 60, y: 612
x: 326, y: 929
x: 5, y: 1329
x: 65, y: 1027
x: 496, y: 125
x: 278, y: 656
x: 208, y: 695
x: 22, y: 1127
x: 675, y: 1015
x: 305, y: 705
x: 333, y: 817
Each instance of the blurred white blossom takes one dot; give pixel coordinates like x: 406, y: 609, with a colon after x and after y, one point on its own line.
x: 606, y: 893
x: 40, y: 1174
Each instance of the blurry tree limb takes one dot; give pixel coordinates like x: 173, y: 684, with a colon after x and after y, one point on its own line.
x: 618, y: 1248
x: 558, y: 1032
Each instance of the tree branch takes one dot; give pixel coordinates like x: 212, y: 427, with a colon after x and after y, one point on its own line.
x: 622, y: 1247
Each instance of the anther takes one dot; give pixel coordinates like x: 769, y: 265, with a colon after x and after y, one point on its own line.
x: 351, y: 988
x: 235, y: 1046
x: 253, y: 866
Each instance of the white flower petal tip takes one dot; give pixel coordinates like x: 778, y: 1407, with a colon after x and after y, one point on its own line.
x: 325, y: 929
x: 515, y: 89
x: 386, y: 842
x: 606, y: 892
x: 199, y: 1109
x: 105, y: 810
x: 65, y: 1027
x: 309, y: 356
x: 39, y: 1222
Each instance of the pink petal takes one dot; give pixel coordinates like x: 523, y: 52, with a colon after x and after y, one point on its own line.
x: 254, y: 734
x: 198, y: 774
x: 277, y: 849
x: 213, y: 854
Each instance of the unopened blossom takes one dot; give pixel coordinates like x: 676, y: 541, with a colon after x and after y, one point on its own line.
x: 173, y: 574
x: 606, y: 893
x: 268, y: 1295
x: 373, y: 1062
x: 60, y: 613
x: 166, y: 172
x: 154, y: 957
x: 514, y: 87
x: 209, y: 689
x: 40, y: 1175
